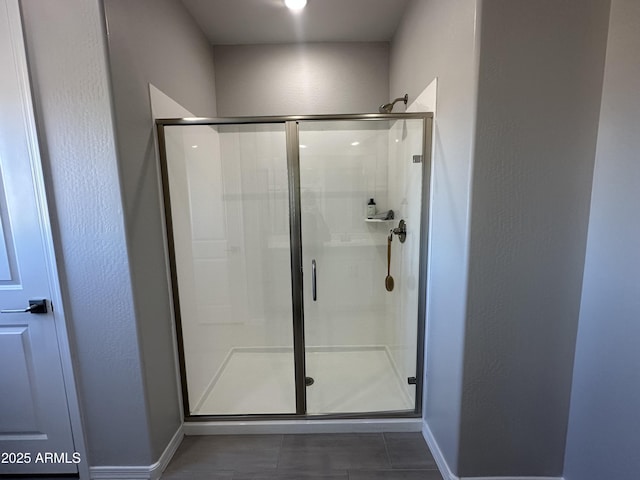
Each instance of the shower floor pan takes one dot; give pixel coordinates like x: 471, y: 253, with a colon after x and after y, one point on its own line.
x: 346, y: 380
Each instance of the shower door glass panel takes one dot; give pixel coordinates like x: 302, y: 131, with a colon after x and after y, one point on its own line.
x: 360, y: 339
x: 229, y: 210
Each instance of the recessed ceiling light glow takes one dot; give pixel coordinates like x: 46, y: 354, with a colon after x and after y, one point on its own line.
x: 355, y: 144
x: 295, y: 4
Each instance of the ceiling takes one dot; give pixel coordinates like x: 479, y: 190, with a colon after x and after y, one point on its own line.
x: 242, y: 22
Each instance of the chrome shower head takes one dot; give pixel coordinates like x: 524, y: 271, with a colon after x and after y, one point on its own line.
x: 387, y: 107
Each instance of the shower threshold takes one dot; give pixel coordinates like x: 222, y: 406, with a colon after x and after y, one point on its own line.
x: 347, y: 379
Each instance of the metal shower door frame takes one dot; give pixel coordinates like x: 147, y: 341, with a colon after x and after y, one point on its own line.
x: 291, y: 123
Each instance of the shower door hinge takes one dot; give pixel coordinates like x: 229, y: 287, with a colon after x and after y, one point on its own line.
x: 412, y: 380
x: 417, y: 159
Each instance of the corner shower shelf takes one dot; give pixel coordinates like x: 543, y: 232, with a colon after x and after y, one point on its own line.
x: 377, y: 220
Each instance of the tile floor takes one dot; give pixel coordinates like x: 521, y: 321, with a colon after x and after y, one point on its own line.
x: 348, y: 456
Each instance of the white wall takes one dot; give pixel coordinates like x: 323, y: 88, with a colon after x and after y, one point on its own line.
x: 79, y: 157
x: 304, y: 79
x: 436, y: 39
x: 540, y: 80
x: 604, y: 425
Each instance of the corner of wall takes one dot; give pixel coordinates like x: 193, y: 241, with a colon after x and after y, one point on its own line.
x: 512, y: 266
x: 153, y: 42
x: 67, y: 60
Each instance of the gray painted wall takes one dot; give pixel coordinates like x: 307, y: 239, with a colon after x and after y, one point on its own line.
x: 437, y: 39
x: 305, y: 79
x: 604, y: 423
x: 158, y: 42
x: 125, y: 351
x: 540, y: 80
x: 79, y: 157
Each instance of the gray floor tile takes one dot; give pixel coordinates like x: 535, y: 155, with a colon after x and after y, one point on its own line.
x: 321, y: 453
x: 409, y: 450
x: 394, y: 475
x: 292, y: 475
x: 254, y: 453
x: 205, y: 475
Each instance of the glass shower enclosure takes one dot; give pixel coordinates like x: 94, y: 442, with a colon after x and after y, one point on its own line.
x: 279, y: 268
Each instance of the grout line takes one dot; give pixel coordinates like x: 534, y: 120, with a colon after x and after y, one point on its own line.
x: 386, y: 449
x: 280, y: 452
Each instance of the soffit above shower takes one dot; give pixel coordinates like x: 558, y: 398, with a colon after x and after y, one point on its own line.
x: 245, y: 22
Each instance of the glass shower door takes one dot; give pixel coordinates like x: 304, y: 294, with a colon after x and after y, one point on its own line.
x: 227, y: 205
x: 360, y: 339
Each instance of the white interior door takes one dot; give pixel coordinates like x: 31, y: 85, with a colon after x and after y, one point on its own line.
x: 35, y: 428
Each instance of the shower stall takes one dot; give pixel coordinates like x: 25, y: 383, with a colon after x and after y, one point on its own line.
x: 279, y: 268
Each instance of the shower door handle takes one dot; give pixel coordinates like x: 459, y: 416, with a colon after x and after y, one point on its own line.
x: 314, y: 284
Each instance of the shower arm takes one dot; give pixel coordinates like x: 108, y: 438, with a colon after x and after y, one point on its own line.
x: 404, y: 99
x: 388, y: 107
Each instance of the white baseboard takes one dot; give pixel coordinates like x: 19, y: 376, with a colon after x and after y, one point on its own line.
x: 150, y: 472
x: 303, y: 426
x: 446, y: 472
x: 510, y: 478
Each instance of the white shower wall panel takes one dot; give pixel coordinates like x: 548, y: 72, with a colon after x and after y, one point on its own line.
x: 178, y: 157
x: 342, y: 166
x: 229, y: 201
